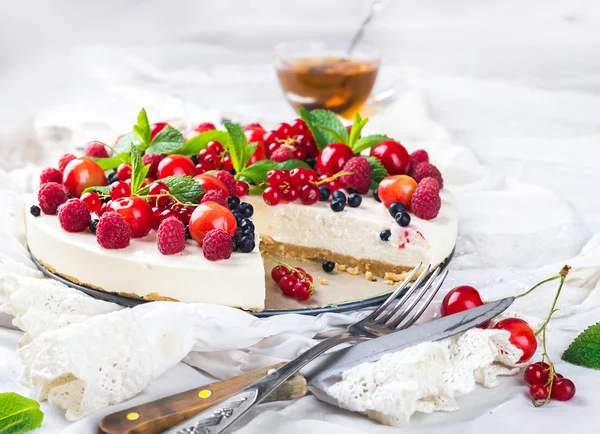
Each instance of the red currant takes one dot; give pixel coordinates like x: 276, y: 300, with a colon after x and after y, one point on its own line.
x: 333, y: 157
x: 298, y: 126
x: 215, y: 147
x: 80, y: 174
x: 460, y: 299
x: 119, y: 189
x: 290, y: 193
x: 200, y: 169
x: 302, y: 290
x: 286, y: 284
x: 300, y: 177
x: 522, y: 336
x: 175, y: 165
x: 536, y: 373
x: 203, y: 153
x: 92, y: 201
x: 271, y: 140
x: 278, y: 272
x: 205, y: 126
x: 277, y: 178
x: 309, y: 194
x: 393, y: 156
x: 158, y: 188
x: 283, y: 129
x: 299, y: 153
x: 124, y: 171
x: 241, y: 189
x: 272, y: 196
x: 137, y: 213
x: 255, y: 135
x: 259, y: 154
x: 301, y: 274
x: 539, y: 392
x: 227, y: 164
x: 563, y: 389
x: 156, y: 128
x: 254, y: 126
x: 184, y: 214
x: 211, y: 162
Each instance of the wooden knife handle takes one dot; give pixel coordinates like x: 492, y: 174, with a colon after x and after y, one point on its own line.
x: 158, y: 416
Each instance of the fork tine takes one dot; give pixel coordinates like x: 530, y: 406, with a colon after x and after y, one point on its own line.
x: 395, y: 294
x: 391, y: 312
x: 417, y: 297
x: 419, y: 311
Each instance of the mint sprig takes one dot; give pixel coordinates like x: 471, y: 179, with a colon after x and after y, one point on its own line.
x: 142, y: 128
x: 168, y: 141
x: 239, y: 149
x: 127, y: 141
x: 367, y: 142
x: 357, y: 127
x: 378, y: 172
x: 199, y: 142
x: 256, y: 174
x: 19, y: 414
x: 184, y: 188
x: 585, y: 349
x: 138, y: 170
x: 103, y: 190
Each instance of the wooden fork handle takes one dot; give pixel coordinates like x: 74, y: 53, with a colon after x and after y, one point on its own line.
x: 158, y: 416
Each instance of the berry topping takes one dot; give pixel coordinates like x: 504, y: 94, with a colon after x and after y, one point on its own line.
x: 282, y: 154
x: 153, y: 160
x: 538, y: 392
x: 278, y: 272
x: 360, y: 178
x: 241, y: 189
x: 460, y: 299
x: 156, y: 128
x: 210, y: 182
x: 64, y: 160
x: 385, y: 235
x: 290, y: 193
x: 175, y: 165
x: 430, y: 182
x: 205, y: 126
x: 425, y: 170
x: 376, y: 194
x: 300, y: 177
x: 93, y: 225
x: 337, y: 205
x: 302, y: 290
x: 339, y: 195
x: 354, y: 200
x: 112, y: 231
x: 112, y: 177
x: 161, y: 191
x: 393, y: 156
x: 227, y: 179
x: 234, y: 202
x: 50, y: 174
x: 398, y: 188
x: 170, y: 236
x: 324, y: 193
x: 96, y: 149
x: 119, y: 189
x: 425, y: 202
x: 522, y: 336
x: 403, y: 219
x: 309, y: 194
x: 333, y: 158
x: 272, y: 196
x: 563, y: 389
x: 80, y: 174
x: 328, y: 266
x: 287, y: 283
x: 92, y: 201
x: 537, y: 373
x: 124, y: 172
x: 246, y: 209
x: 396, y: 208
x: 215, y: 196
x: 246, y: 244
x: 217, y: 245
x: 74, y: 216
x: 417, y: 157
x: 35, y: 210
x: 137, y: 213
x: 208, y: 216
x: 50, y: 196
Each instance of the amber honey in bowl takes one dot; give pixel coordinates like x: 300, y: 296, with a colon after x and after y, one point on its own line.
x: 334, y: 83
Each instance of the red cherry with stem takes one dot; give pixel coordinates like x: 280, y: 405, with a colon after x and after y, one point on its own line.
x: 80, y: 174
x: 208, y: 216
x: 290, y: 193
x: 211, y: 162
x: 176, y: 165
x: 184, y: 214
x: 210, y: 182
x: 276, y: 178
x: 119, y: 189
x: 460, y: 299
x: 333, y: 157
x: 137, y: 213
x: 215, y: 147
x: 302, y: 290
x: 241, y: 189
x: 272, y: 196
x: 393, y: 156
x: 309, y: 194
x: 227, y: 164
x: 286, y: 284
x: 92, y: 201
x: 158, y: 188
x: 522, y: 336
x: 539, y: 392
x: 124, y: 171
x: 536, y: 374
x: 157, y: 128
x: 563, y: 389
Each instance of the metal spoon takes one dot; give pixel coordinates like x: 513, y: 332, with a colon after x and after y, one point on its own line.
x: 361, y: 30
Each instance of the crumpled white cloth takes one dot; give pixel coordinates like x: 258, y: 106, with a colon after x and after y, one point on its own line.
x: 132, y: 347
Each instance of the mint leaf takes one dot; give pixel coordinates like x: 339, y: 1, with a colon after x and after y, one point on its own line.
x: 257, y: 173
x: 125, y: 142
x: 368, y: 142
x: 112, y: 162
x: 19, y: 414
x: 322, y: 137
x: 198, y: 143
x: 357, y: 128
x: 100, y: 189
x: 378, y: 172
x: 585, y: 349
x: 168, y: 141
x: 138, y: 170
x: 329, y: 122
x: 239, y: 150
x: 142, y: 129
x: 184, y: 188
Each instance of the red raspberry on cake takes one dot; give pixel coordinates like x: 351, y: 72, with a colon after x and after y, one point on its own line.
x: 170, y: 236
x: 74, y: 216
x: 217, y: 245
x: 426, y: 170
x: 50, y: 174
x: 418, y: 157
x: 227, y: 179
x: 96, y: 149
x: 430, y: 182
x: 360, y: 180
x: 50, y: 196
x: 426, y: 202
x: 152, y: 160
x: 112, y: 231
x: 64, y: 160
x: 215, y: 196
x: 282, y: 154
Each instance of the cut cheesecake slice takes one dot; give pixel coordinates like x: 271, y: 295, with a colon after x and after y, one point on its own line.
x: 352, y: 238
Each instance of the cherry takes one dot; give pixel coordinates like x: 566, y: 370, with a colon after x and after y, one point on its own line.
x: 137, y: 213
x: 309, y: 194
x: 205, y: 126
x: 538, y: 392
x: 563, y: 389
x: 156, y: 128
x: 119, y: 189
x: 521, y: 336
x: 104, y: 208
x: 211, y: 162
x: 208, y: 216
x: 158, y: 188
x: 397, y: 188
x: 80, y: 174
x: 200, y: 169
x: 254, y: 126
x: 215, y: 147
x: 290, y: 193
x: 175, y: 165
x: 333, y: 157
x: 302, y: 290
x: 272, y: 196
x: 277, y: 178
x: 255, y: 135
x: 241, y: 189
x: 460, y: 299
x: 536, y: 373
x: 300, y: 177
x: 184, y: 214
x: 92, y: 201
x: 124, y: 171
x: 287, y: 283
x: 210, y: 182
x: 163, y: 214
x: 393, y: 156
x: 259, y: 154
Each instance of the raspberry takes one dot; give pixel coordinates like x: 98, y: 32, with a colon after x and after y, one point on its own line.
x: 282, y: 154
x: 430, y: 182
x: 74, y: 216
x: 425, y: 202
x: 64, y: 160
x: 418, y: 157
x: 50, y: 196
x: 170, y: 236
x: 96, y: 149
x: 215, y: 196
x: 217, y: 245
x: 152, y: 160
x: 227, y: 179
x: 360, y: 180
x: 424, y: 170
x: 50, y: 174
x: 112, y: 231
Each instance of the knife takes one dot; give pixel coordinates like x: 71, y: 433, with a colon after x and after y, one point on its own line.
x: 157, y: 416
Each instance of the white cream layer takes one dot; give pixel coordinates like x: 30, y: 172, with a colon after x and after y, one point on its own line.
x: 355, y: 231
x: 141, y: 269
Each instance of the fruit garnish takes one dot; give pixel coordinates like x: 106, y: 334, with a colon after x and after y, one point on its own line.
x: 80, y: 174
x: 328, y: 266
x: 50, y: 196
x: 427, y: 170
x: 173, y: 165
x: 112, y: 231
x: 157, y: 128
x: 64, y: 160
x: 50, y: 174
x: 217, y: 245
x: 333, y: 157
x: 397, y: 188
x: 208, y: 216
x: 137, y: 213
x: 521, y: 336
x: 393, y: 157
x: 209, y: 182
x: 170, y: 236
x: 417, y: 157
x: 293, y: 281
x: 74, y: 216
x: 119, y: 189
x: 35, y: 210
x: 426, y: 202
x: 460, y: 299
x: 360, y: 175
x: 585, y: 349
x: 124, y: 171
x: 96, y: 149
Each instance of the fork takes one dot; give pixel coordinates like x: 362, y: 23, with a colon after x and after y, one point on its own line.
x: 383, y: 320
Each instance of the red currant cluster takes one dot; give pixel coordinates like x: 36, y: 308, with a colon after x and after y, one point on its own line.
x: 290, y: 141
x: 545, y: 383
x: 289, y: 185
x: 293, y: 281
x: 213, y: 157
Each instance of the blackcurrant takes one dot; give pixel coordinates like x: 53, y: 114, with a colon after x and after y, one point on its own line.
x: 246, y: 209
x: 396, y: 208
x: 339, y: 195
x: 246, y: 245
x: 93, y: 225
x: 234, y: 202
x: 403, y: 219
x: 247, y: 224
x: 188, y: 236
x: 234, y: 242
x: 328, y: 266
x: 324, y: 193
x: 385, y: 235
x: 354, y: 200
x: 376, y: 194
x: 194, y: 159
x: 35, y: 210
x: 337, y: 205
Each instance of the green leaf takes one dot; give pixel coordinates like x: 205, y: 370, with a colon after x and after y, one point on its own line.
x: 322, y: 137
x: 138, y: 170
x: 19, y: 414
x: 368, y: 142
x: 239, y: 150
x: 378, y: 172
x: 112, y: 162
x: 142, y: 129
x: 199, y: 142
x: 329, y: 121
x: 100, y: 189
x: 125, y: 142
x: 184, y: 188
x: 585, y: 349
x: 168, y: 141
x: 357, y: 128
x: 257, y: 173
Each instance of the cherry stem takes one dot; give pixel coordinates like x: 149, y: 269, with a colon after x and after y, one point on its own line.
x: 170, y: 196
x: 332, y: 178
